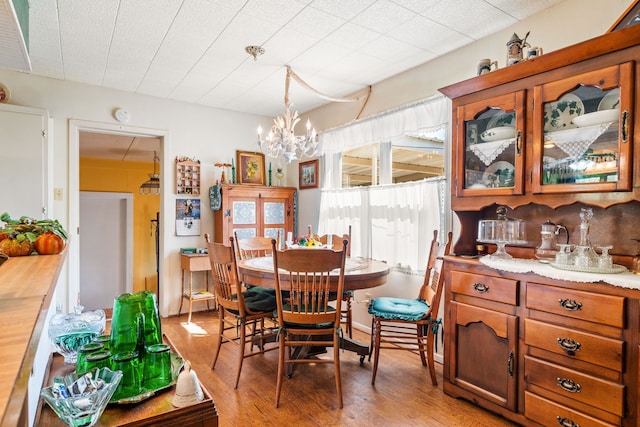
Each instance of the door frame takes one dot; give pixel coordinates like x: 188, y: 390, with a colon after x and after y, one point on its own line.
x: 73, y: 265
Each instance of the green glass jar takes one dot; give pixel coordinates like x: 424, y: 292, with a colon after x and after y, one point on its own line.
x: 97, y: 359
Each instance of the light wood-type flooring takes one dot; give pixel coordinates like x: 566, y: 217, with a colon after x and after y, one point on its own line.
x: 403, y: 394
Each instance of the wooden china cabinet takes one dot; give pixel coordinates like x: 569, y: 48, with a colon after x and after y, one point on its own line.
x: 252, y: 210
x: 546, y: 138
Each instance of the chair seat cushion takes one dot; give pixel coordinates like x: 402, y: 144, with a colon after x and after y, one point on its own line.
x: 389, y: 308
x: 256, y: 300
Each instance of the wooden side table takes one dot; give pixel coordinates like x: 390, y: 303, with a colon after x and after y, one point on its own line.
x: 155, y: 411
x: 193, y: 263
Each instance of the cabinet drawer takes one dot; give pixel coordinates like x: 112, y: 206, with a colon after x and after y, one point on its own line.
x: 606, y: 395
x: 548, y: 413
x: 486, y: 287
x: 577, y: 345
x: 589, y: 306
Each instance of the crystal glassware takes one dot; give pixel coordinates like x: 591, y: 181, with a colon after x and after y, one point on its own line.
x: 605, y: 260
x: 564, y: 255
x: 83, y: 409
x: 69, y: 332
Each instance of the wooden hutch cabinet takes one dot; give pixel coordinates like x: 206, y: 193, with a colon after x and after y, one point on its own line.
x: 546, y: 138
x: 251, y: 211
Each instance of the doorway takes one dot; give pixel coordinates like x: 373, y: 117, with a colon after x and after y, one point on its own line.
x: 76, y: 128
x: 106, y: 256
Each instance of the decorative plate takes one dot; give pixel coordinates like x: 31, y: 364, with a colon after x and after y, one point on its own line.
x: 491, y: 173
x: 558, y: 115
x: 597, y: 118
x: 610, y: 101
x: 502, y: 119
x: 498, y: 133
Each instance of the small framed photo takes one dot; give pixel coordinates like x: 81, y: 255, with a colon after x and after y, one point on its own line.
x: 250, y: 168
x: 308, y: 174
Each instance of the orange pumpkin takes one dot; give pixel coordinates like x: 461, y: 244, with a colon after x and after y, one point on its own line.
x: 12, y: 247
x: 49, y: 244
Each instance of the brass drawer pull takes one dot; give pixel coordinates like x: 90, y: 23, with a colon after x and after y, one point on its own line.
x: 570, y: 304
x: 566, y: 422
x: 568, y: 385
x: 481, y: 288
x: 569, y: 345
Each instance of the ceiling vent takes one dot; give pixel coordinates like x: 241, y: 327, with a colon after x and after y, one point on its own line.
x: 13, y: 42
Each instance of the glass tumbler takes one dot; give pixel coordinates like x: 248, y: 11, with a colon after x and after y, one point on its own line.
x: 131, y: 383
x: 97, y: 359
x: 157, y: 367
x: 83, y: 353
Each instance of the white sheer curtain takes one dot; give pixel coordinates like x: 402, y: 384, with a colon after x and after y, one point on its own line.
x: 393, y: 223
x: 428, y: 114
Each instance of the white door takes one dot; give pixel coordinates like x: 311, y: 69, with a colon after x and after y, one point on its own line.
x: 106, y: 223
x: 25, y: 151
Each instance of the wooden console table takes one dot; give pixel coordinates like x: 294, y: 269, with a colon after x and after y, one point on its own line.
x: 155, y: 411
x: 193, y: 263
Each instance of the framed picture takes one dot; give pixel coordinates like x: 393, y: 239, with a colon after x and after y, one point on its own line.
x: 250, y: 168
x: 187, y: 217
x: 630, y: 17
x: 308, y: 174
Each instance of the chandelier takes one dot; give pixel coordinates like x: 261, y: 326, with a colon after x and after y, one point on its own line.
x: 282, y: 140
x: 152, y: 186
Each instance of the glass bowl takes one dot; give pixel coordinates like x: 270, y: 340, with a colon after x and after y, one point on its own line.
x: 69, y: 332
x: 85, y: 409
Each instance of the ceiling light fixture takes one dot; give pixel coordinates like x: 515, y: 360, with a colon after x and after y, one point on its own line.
x: 254, y: 51
x: 152, y: 186
x: 282, y: 140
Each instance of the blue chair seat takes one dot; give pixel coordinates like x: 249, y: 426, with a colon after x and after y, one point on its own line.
x: 389, y: 308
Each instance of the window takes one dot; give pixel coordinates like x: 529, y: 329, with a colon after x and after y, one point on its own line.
x: 410, y: 158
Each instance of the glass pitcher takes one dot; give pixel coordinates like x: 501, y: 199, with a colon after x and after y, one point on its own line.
x: 135, y: 323
x: 548, y: 247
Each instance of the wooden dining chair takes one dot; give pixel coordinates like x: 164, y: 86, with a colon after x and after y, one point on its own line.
x: 245, y: 316
x: 410, y: 324
x: 346, y: 314
x: 254, y: 247
x: 306, y: 318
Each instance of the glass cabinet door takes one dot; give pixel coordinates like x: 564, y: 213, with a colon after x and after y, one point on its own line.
x: 490, y: 146
x: 581, y: 133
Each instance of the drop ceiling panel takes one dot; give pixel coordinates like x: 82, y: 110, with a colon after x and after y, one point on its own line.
x: 383, y: 16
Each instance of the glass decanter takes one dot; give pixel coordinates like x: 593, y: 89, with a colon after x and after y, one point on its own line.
x: 586, y: 257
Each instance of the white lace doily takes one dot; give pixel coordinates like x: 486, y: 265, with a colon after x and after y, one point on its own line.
x: 520, y: 265
x: 575, y: 142
x: 488, y: 151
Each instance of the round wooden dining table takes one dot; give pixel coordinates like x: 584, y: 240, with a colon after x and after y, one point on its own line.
x: 359, y: 273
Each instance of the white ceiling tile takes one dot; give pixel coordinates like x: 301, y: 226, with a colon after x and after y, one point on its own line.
x: 285, y: 46
x: 315, y: 22
x: 390, y: 49
x: 383, y: 16
x: 520, y: 9
x: 420, y: 6
x: 86, y: 38
x: 352, y: 36
x: 474, y: 18
x: 344, y: 9
x: 278, y: 12
x: 442, y: 39
x: 44, y: 29
x: 321, y: 54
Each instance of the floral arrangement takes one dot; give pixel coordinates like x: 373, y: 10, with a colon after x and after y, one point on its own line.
x: 309, y: 240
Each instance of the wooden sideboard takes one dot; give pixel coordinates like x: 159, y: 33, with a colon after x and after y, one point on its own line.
x: 535, y: 349
x: 542, y: 351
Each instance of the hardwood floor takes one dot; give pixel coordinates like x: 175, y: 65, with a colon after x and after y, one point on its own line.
x: 403, y: 394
